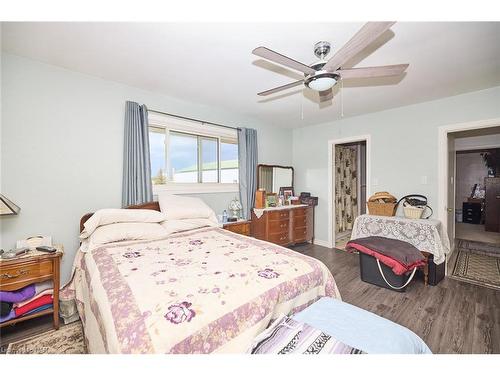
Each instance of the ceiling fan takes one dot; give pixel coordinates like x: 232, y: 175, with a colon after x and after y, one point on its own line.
x: 322, y: 75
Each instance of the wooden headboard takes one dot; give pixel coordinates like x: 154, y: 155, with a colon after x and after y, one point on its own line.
x: 145, y: 206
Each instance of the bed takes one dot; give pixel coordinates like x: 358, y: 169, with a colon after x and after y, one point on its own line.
x: 196, y: 289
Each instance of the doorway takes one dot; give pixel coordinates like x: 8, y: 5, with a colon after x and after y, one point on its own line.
x: 472, y: 201
x: 476, y: 217
x: 349, y: 171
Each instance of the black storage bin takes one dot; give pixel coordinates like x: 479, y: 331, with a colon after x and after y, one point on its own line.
x: 370, y: 273
x: 436, y: 271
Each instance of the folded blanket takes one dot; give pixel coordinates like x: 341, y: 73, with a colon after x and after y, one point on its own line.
x: 40, y: 301
x: 288, y: 336
x: 10, y: 316
x: 5, y: 308
x: 38, y: 309
x: 401, y: 256
x: 18, y: 295
x: 13, y: 315
x: 25, y: 293
x: 20, y: 304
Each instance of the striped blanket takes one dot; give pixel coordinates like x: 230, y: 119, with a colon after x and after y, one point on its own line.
x: 288, y: 336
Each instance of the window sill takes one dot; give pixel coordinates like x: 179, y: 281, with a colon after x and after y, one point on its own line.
x: 194, y: 188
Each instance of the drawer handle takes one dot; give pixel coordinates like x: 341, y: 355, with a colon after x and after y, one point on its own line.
x: 18, y: 273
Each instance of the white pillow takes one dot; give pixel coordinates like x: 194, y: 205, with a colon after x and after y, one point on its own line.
x: 178, y: 207
x: 126, y: 232
x: 119, y: 215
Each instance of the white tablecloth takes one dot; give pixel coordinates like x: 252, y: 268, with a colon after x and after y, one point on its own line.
x: 425, y: 234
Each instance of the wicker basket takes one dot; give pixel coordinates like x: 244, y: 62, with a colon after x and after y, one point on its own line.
x: 412, y: 212
x: 381, y: 209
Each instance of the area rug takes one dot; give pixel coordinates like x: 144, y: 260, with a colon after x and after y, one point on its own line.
x: 68, y: 339
x: 477, y: 269
x: 479, y: 247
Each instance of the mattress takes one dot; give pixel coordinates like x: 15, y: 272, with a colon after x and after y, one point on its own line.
x: 199, y: 291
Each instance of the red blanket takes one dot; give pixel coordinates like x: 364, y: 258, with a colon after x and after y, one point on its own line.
x: 400, y: 256
x: 37, y: 302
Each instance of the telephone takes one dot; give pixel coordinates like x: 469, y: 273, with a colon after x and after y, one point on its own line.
x: 33, y: 242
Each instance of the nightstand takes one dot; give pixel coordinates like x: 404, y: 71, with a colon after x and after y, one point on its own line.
x: 30, y: 268
x: 240, y: 227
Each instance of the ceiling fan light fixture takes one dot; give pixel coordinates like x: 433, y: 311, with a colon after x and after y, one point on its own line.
x: 321, y: 81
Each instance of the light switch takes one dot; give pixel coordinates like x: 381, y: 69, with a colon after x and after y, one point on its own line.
x: 375, y: 181
x: 423, y: 180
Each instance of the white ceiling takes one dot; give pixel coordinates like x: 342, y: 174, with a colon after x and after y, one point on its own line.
x: 212, y: 64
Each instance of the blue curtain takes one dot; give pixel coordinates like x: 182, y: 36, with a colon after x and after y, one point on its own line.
x: 137, y: 187
x: 247, y: 157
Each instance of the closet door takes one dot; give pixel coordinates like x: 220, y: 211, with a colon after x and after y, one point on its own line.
x: 492, y: 204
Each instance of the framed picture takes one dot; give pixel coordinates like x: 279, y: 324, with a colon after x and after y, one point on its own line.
x: 272, y: 199
x: 287, y: 189
x: 287, y: 192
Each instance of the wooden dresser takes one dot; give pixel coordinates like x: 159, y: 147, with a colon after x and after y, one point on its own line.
x: 285, y: 226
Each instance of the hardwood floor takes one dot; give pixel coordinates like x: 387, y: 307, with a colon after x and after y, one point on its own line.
x: 452, y: 317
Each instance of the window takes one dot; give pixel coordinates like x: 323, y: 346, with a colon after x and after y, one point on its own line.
x: 157, y: 155
x: 229, y: 161
x: 188, y: 156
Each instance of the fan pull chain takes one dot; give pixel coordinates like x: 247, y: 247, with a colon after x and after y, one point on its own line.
x: 341, y: 98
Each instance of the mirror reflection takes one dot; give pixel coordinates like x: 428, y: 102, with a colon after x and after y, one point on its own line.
x: 273, y: 177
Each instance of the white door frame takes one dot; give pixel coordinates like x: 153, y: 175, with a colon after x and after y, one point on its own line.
x: 443, y: 161
x: 331, y: 177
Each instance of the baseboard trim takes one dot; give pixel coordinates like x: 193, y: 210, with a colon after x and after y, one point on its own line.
x: 321, y: 243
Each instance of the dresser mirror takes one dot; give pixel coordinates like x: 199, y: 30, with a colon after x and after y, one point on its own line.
x: 273, y: 177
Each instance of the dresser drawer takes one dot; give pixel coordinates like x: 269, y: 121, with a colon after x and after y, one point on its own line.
x: 279, y: 215
x: 12, y: 276
x: 279, y: 238
x: 300, y: 234
x: 301, y: 211
x: 299, y: 221
x: 279, y: 226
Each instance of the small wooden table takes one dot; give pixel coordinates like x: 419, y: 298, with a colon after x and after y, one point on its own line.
x: 30, y: 268
x: 240, y: 226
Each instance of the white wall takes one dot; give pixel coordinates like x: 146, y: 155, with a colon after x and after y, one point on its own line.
x: 62, y: 146
x: 404, y: 147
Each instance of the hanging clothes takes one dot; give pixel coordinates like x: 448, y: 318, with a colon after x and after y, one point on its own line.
x: 346, y: 188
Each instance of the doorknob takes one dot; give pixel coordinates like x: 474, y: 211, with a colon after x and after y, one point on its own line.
x: 449, y: 210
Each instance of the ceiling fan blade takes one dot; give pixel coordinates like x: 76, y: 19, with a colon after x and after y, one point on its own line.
x: 280, y: 88
x: 364, y: 37
x: 373, y: 72
x: 325, y: 95
x: 282, y: 59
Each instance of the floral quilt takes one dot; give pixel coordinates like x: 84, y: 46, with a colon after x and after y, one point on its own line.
x: 201, y: 291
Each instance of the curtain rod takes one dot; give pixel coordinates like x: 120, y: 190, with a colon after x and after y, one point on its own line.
x: 193, y: 119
